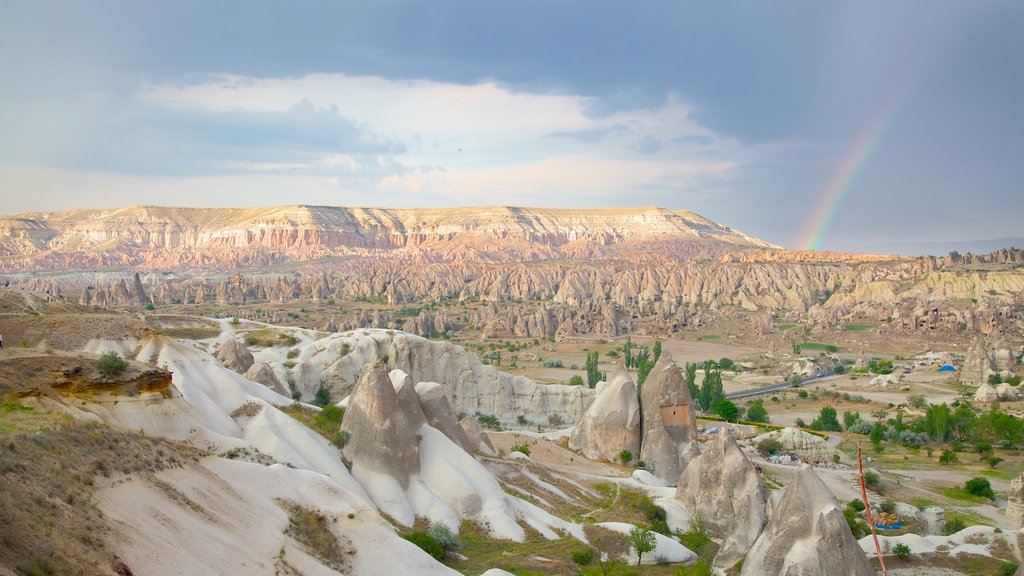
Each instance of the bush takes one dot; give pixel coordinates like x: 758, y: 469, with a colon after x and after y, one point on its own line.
x: 901, y: 550
x: 523, y: 447
x: 980, y: 487
x: 802, y: 393
x: 322, y: 397
x: 441, y: 534
x: 871, y: 478
x: 993, y: 461
x: 625, y: 457
x: 583, y: 557
x: 757, y: 413
x: 552, y: 364
x: 426, y: 543
x: 727, y: 410
x: 768, y: 447
x: 856, y: 505
x: 556, y: 420
x: 888, y: 506
x: 954, y: 525
x: 111, y: 364
x: 948, y: 457
x: 490, y: 421
x: 330, y: 416
x: 340, y: 438
x: 576, y: 380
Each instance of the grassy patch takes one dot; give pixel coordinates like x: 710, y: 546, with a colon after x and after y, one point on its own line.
x: 957, y: 493
x: 819, y: 346
x: 857, y: 327
x: 312, y: 529
x: 784, y: 327
x: 48, y: 463
x: 191, y: 332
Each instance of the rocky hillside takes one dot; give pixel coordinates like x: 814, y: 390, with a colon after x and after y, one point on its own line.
x: 162, y: 237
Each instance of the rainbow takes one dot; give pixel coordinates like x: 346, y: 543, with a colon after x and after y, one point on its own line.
x: 842, y: 181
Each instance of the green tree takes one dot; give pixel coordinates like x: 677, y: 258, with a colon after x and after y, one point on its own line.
x: 111, y: 364
x: 627, y: 352
x: 691, y: 380
x: 657, y: 350
x: 877, y: 435
x: 827, y: 420
x: 727, y: 410
x: 938, y: 423
x: 850, y: 417
x: 757, y: 413
x: 980, y: 487
x: 593, y: 374
x: 642, y: 540
x: 710, y: 390
x: 948, y: 457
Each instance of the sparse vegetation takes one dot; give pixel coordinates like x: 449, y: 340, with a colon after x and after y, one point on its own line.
x: 312, y: 529
x: 111, y: 364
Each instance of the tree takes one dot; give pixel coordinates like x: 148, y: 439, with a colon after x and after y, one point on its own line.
x: 877, y: 435
x: 593, y: 374
x: 710, y: 390
x: 768, y: 447
x: 726, y: 364
x: 441, y: 534
x: 937, y: 423
x: 727, y: 410
x: 691, y: 380
x: 757, y: 413
x: 827, y: 420
x: 627, y: 352
x: 111, y: 364
x: 850, y: 417
x: 657, y: 350
x: 642, y: 540
x: 948, y: 457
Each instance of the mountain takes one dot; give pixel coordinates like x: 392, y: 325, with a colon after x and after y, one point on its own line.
x: 168, y: 237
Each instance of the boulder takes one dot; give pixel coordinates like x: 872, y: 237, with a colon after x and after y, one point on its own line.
x: 722, y: 488
x: 1015, y: 503
x: 611, y: 423
x: 795, y: 440
x: 986, y: 393
x: 884, y: 381
x: 806, y: 535
x: 669, y: 421
x: 235, y: 356
x: 440, y: 415
x: 262, y: 373
x: 1007, y: 392
x: 478, y: 438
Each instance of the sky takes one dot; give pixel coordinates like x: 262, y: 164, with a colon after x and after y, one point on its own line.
x: 826, y: 125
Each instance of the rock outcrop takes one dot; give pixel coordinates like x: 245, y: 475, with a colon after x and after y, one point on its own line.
x: 722, y: 488
x: 669, y: 420
x: 807, y: 446
x: 1007, y: 392
x: 235, y: 356
x: 262, y: 372
x: 478, y: 439
x: 986, y: 393
x: 1015, y: 503
x: 611, y: 423
x: 806, y: 535
x: 440, y: 415
x: 978, y: 364
x: 382, y: 445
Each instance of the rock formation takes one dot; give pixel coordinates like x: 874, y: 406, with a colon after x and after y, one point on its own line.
x: 611, y: 423
x: 1015, y: 503
x: 807, y: 446
x: 1007, y: 392
x: 806, y: 535
x: 235, y: 356
x: 262, y: 372
x: 986, y: 393
x: 722, y: 488
x: 440, y: 415
x: 669, y: 423
x: 478, y: 439
x: 934, y: 520
x: 978, y: 364
x: 382, y: 445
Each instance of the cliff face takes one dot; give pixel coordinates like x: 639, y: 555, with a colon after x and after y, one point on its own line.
x: 161, y: 237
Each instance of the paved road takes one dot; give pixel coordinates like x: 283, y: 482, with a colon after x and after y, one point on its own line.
x: 775, y: 387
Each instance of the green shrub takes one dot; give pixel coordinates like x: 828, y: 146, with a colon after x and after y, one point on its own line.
x: 426, y: 543
x: 871, y: 478
x: 888, y: 505
x: 768, y: 447
x: 490, y: 421
x: 576, y: 380
x: 322, y: 397
x: 441, y: 534
x: 901, y: 550
x: 625, y: 457
x: 524, y: 448
x: 954, y: 525
x: 980, y: 487
x: 111, y: 364
x: 583, y: 557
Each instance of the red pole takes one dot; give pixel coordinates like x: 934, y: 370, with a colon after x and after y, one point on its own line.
x: 867, y: 510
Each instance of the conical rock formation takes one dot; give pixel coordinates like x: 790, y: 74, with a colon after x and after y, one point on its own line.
x: 611, y: 423
x: 722, y: 488
x: 806, y: 535
x: 235, y: 356
x: 262, y: 372
x: 978, y: 364
x: 440, y: 415
x: 478, y: 439
x: 669, y: 422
